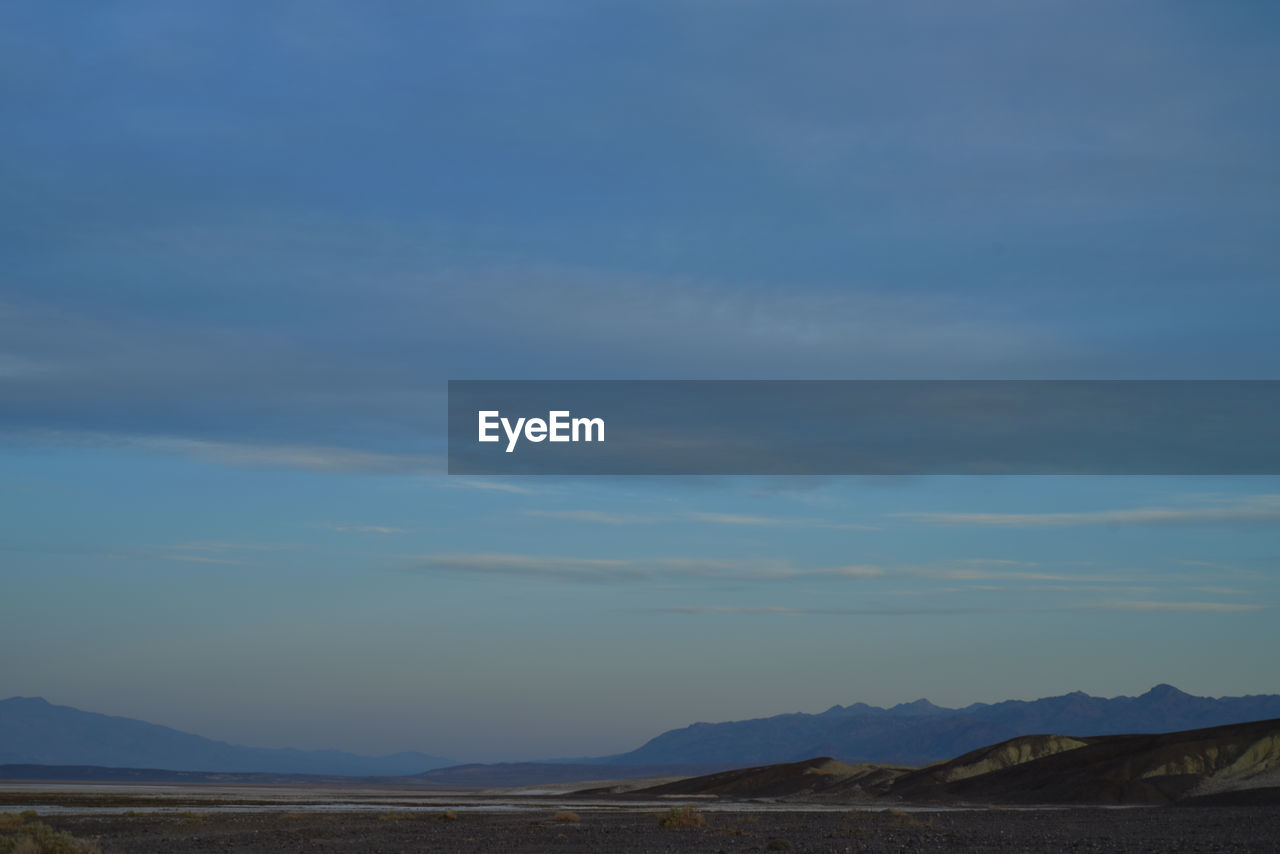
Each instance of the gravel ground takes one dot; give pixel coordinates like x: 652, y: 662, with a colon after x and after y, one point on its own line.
x: 627, y: 831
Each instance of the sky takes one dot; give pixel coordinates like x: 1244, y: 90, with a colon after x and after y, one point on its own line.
x: 246, y: 245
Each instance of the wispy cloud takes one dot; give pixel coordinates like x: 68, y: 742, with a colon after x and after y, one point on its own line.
x: 200, y: 559
x: 535, y: 566
x: 775, y: 521
x: 614, y: 569
x: 310, y: 457
x: 988, y: 561
x: 591, y: 516
x: 1146, y: 605
x: 829, y: 612
x: 733, y: 519
x: 857, y: 571
x: 784, y: 611
x: 364, y: 529
x: 218, y: 546
x: 319, y: 458
x: 1251, y: 509
x: 1113, y: 589
x: 1212, y: 564
x: 223, y: 554
x: 968, y: 574
x: 215, y: 552
x: 12, y: 367
x: 745, y: 520
x: 488, y: 485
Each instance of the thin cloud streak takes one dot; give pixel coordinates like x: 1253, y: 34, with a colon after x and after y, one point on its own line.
x: 200, y: 559
x: 986, y: 561
x: 252, y: 455
x: 591, y: 516
x: 777, y: 610
x: 835, y: 612
x: 1254, y: 509
x: 1143, y: 605
x: 331, y: 460
x: 768, y: 521
x: 487, y: 485
x: 230, y: 547
x: 599, y: 570
x: 733, y: 519
x: 999, y: 575
x: 604, y: 518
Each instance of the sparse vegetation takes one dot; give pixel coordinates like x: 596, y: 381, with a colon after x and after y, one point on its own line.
x: 778, y: 845
x: 567, y: 817
x: 448, y: 815
x: 33, y: 837
x: 194, y: 817
x: 10, y: 820
x: 902, y: 818
x: 685, y: 816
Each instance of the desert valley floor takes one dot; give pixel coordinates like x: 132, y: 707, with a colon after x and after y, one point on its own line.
x: 134, y: 819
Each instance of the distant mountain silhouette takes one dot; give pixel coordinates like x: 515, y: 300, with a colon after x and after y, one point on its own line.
x: 36, y: 732
x: 920, y: 733
x: 1238, y: 763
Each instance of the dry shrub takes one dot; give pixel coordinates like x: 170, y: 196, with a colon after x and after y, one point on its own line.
x: 685, y: 816
x: 567, y: 817
x: 902, y: 818
x: 38, y: 838
x: 448, y: 815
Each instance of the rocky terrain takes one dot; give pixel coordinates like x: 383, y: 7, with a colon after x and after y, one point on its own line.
x: 639, y: 832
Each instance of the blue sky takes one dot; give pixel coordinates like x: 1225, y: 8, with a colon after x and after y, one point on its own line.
x: 247, y: 244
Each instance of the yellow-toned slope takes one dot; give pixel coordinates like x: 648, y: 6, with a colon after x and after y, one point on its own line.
x: 1004, y: 755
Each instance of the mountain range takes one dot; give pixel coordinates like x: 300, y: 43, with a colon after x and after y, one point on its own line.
x: 1233, y: 764
x: 919, y: 733
x: 36, y: 732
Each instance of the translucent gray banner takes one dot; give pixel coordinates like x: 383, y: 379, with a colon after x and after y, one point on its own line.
x: 769, y: 427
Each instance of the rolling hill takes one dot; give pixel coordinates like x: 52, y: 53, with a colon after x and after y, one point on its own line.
x: 36, y: 732
x: 1237, y: 763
